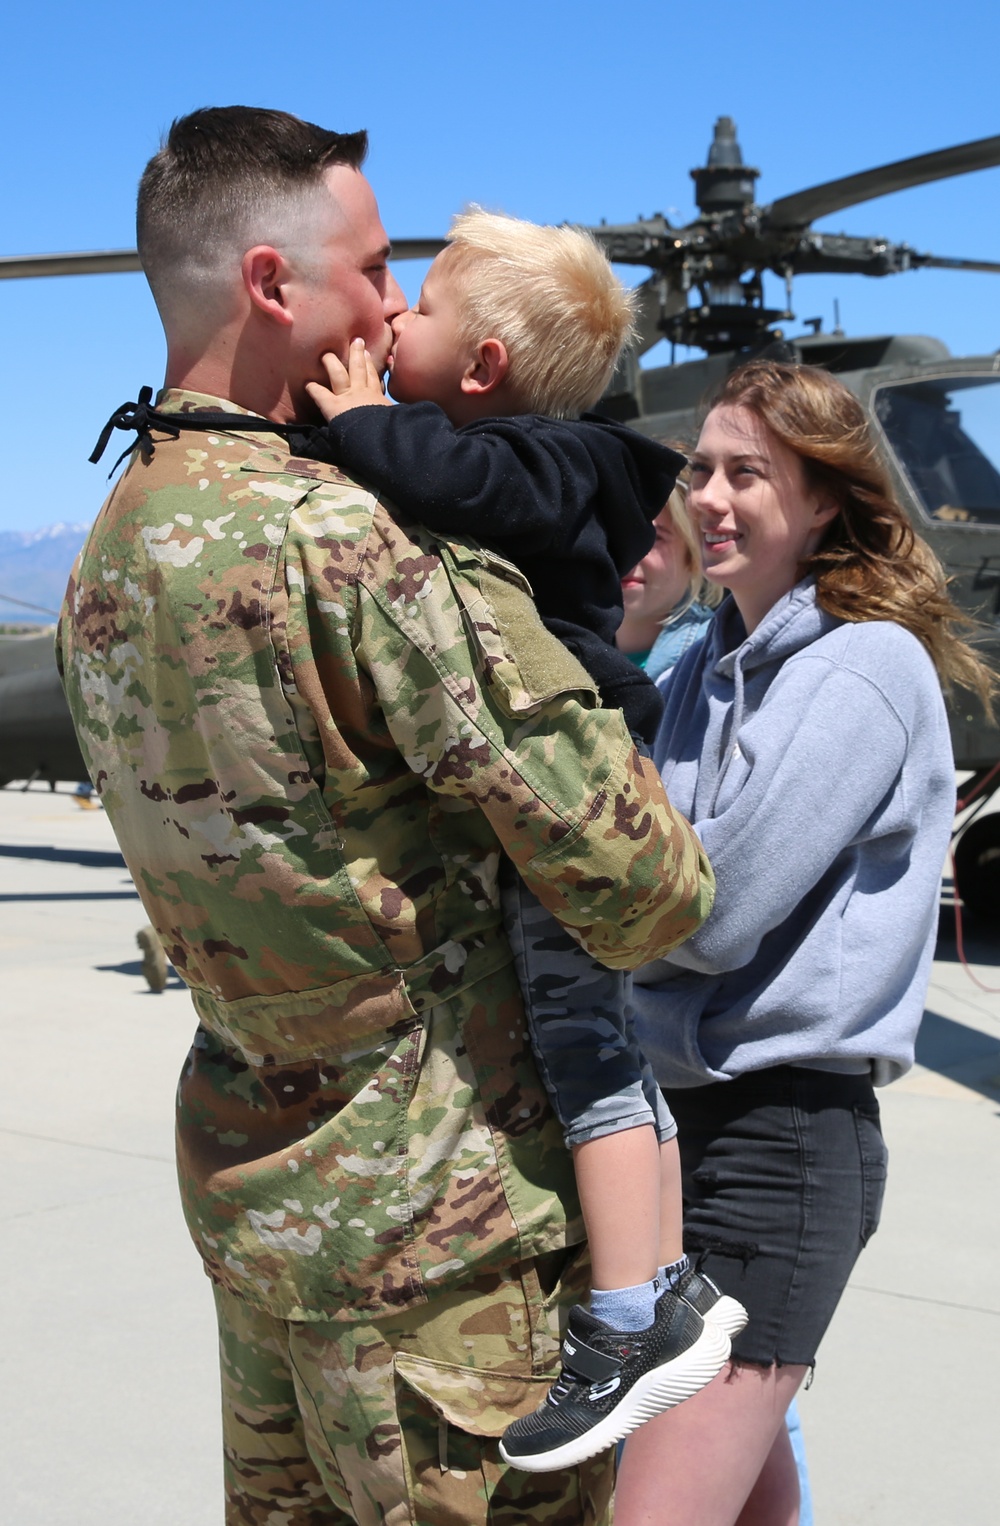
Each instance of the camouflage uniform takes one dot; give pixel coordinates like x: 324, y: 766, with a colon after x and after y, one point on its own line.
x: 312, y: 731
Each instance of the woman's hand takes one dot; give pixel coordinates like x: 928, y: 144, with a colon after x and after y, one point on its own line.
x: 356, y: 387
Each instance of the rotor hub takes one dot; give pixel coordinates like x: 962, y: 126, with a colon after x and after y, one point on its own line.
x: 725, y: 183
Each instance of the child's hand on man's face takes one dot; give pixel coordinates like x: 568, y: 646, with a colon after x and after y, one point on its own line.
x: 356, y: 387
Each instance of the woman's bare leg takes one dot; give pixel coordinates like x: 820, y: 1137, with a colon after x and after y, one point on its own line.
x: 774, y: 1498
x: 699, y: 1464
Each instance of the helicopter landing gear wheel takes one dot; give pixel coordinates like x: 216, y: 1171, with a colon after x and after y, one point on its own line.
x: 977, y: 869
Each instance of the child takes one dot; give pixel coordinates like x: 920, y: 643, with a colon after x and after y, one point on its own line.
x: 517, y: 329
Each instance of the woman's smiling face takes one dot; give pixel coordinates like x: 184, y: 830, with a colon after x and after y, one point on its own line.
x: 757, y: 515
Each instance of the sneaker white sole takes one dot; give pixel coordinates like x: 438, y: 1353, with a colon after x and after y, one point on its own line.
x: 728, y: 1314
x: 656, y: 1391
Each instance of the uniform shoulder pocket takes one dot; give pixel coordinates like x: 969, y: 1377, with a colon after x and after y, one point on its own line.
x: 523, y: 663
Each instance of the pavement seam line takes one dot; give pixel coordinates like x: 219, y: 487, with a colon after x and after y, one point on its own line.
x: 34, y: 1213
x: 938, y: 1303
x: 76, y: 1144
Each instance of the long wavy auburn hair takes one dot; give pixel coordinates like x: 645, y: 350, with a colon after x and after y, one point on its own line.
x: 870, y: 565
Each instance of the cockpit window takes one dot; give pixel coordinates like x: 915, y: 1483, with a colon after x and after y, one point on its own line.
x: 945, y: 434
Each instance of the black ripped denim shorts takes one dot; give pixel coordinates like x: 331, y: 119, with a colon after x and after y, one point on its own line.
x: 784, y: 1173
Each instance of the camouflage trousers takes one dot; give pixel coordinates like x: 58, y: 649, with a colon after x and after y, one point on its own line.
x: 580, y: 1023
x: 397, y: 1422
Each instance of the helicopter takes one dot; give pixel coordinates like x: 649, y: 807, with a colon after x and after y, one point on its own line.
x: 37, y: 740
x: 936, y: 418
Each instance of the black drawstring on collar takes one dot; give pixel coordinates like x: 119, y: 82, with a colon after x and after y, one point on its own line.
x: 144, y: 419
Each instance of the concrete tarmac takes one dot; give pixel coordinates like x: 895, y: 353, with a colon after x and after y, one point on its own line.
x: 108, y: 1397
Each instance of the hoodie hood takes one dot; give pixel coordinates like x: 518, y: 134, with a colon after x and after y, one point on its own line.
x: 795, y: 622
x: 624, y: 459
x: 738, y: 670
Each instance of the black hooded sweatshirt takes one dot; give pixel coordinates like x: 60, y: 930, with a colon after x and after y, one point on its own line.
x: 569, y: 501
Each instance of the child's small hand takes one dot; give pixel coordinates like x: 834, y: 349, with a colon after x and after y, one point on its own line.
x: 356, y: 387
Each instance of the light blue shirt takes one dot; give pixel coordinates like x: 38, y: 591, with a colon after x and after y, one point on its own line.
x: 676, y: 638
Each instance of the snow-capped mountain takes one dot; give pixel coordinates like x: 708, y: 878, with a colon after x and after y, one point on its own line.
x: 34, y: 566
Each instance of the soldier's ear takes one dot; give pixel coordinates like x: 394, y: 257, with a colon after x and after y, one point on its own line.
x: 265, y: 275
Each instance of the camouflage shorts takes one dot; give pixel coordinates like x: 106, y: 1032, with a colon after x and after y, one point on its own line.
x: 580, y: 1022
x: 396, y: 1423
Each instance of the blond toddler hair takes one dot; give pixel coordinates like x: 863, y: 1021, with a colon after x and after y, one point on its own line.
x: 550, y: 296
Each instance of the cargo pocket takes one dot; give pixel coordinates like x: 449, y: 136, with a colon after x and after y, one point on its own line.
x: 296, y: 1177
x: 874, y: 1161
x: 451, y: 1419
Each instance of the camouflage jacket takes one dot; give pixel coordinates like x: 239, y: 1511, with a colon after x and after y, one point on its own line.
x: 313, y: 732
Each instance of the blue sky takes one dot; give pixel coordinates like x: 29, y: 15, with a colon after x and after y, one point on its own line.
x: 556, y: 109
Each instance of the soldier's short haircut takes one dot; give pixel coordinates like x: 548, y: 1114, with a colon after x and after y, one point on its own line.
x: 226, y: 178
x: 550, y: 295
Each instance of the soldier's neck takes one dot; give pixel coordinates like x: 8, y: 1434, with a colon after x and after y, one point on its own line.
x: 259, y: 388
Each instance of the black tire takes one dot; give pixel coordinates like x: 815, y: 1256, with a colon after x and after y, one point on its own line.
x: 977, y: 869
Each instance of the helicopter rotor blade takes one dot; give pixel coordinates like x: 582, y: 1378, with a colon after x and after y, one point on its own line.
x: 942, y: 262
x: 803, y: 207
x: 845, y: 254
x: 100, y: 262
x: 113, y: 261
x: 417, y: 248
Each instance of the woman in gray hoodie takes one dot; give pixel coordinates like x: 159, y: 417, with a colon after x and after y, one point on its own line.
x: 806, y: 739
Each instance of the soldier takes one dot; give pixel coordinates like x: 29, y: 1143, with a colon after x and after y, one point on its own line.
x: 313, y: 732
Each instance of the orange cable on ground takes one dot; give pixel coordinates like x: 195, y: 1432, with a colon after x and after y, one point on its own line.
x: 960, y: 805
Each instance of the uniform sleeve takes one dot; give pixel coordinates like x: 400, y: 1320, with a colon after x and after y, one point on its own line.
x: 491, y: 711
x: 809, y: 772
x: 508, y: 480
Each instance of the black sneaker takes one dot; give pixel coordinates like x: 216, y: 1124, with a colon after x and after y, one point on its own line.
x: 613, y: 1380
x: 714, y: 1306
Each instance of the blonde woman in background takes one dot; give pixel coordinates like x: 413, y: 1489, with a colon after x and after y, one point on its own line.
x: 668, y: 601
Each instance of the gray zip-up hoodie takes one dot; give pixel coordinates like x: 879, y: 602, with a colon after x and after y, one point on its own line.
x: 814, y: 759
